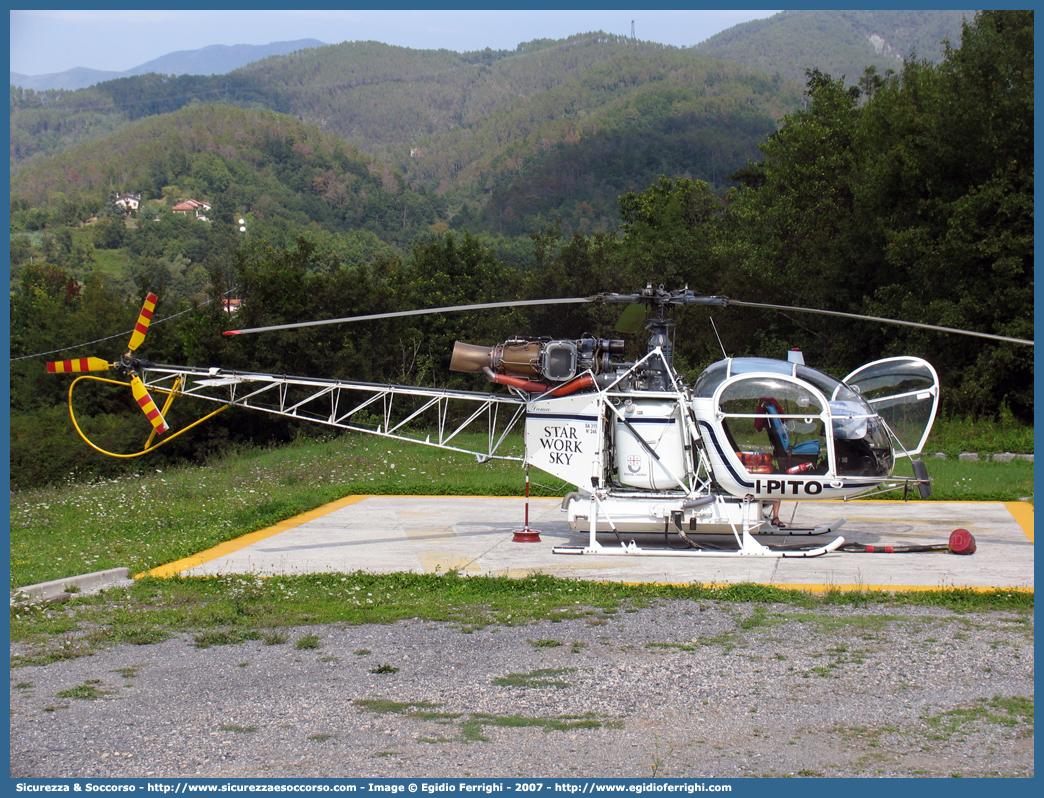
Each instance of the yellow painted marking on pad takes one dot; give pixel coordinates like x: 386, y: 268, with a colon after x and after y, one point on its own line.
x: 1022, y: 512
x: 236, y: 544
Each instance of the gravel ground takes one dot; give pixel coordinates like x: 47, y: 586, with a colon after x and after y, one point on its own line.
x: 683, y: 689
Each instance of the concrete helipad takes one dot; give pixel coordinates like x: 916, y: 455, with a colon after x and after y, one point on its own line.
x: 382, y: 534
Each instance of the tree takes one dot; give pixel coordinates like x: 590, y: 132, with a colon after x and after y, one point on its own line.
x: 668, y: 234
x: 950, y: 179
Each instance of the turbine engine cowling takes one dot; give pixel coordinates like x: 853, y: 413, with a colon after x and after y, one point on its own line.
x: 554, y: 361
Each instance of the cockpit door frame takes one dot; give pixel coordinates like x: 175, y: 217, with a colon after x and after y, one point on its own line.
x: 901, y: 450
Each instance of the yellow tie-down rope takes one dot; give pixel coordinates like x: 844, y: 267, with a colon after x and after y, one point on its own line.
x: 171, y: 393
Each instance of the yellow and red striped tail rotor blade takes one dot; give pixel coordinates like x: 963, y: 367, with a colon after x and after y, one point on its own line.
x: 142, y: 326
x: 141, y: 396
x: 77, y: 366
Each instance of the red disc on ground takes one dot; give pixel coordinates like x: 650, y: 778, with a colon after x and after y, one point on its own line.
x: 962, y: 542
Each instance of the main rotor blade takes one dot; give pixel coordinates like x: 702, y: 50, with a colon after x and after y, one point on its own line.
x: 421, y: 312
x: 881, y: 319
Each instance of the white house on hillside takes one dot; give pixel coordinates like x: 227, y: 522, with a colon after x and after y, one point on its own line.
x: 128, y: 202
x: 200, y: 209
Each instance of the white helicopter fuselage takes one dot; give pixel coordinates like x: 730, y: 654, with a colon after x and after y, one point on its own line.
x: 753, y: 432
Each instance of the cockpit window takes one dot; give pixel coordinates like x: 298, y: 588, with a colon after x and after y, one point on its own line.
x: 713, y: 376
x: 775, y: 425
x: 780, y: 425
x: 716, y: 374
x: 834, y: 389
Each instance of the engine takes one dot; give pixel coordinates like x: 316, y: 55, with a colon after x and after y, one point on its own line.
x: 538, y: 358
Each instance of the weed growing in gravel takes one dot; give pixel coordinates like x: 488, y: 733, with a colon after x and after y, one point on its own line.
x: 308, y: 641
x: 84, y: 692
x: 676, y: 646
x: 1002, y: 710
x: 470, y: 727
x: 224, y: 637
x: 535, y: 679
x: 658, y: 759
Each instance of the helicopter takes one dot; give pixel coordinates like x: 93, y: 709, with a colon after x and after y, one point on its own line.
x: 704, y: 466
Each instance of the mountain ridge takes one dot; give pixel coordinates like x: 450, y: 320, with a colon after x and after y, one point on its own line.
x: 214, y: 59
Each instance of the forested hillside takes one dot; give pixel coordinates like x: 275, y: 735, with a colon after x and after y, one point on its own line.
x: 514, y: 139
x: 511, y: 139
x: 268, y: 164
x: 907, y: 196
x: 841, y: 43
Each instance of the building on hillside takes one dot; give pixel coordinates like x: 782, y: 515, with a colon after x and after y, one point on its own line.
x: 128, y: 202
x: 232, y: 305
x: 200, y: 209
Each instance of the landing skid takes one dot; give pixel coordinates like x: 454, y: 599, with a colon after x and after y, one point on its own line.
x: 633, y: 549
x: 735, y: 524
x: 769, y: 529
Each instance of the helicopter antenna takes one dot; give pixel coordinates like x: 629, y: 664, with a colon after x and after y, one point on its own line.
x: 715, y: 328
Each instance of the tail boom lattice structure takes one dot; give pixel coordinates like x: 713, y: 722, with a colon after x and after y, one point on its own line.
x: 389, y: 411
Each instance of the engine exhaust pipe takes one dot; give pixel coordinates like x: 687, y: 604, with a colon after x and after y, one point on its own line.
x: 521, y: 358
x: 471, y: 358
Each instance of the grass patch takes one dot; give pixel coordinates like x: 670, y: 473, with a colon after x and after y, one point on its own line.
x: 419, y: 710
x: 1013, y: 711
x: 84, y: 692
x: 237, y: 729
x: 471, y: 727
x: 542, y: 677
x: 557, y: 723
x: 676, y: 646
x: 954, y: 480
x: 951, y: 436
x: 759, y: 618
x: 829, y: 624
x: 224, y: 637
x: 384, y: 667
x: 308, y: 641
x: 210, y: 610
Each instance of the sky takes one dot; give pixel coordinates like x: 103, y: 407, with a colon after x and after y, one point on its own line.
x: 44, y: 42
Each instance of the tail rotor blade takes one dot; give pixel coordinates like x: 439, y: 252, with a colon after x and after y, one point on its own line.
x: 144, y: 318
x: 77, y: 366
x: 148, y: 407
